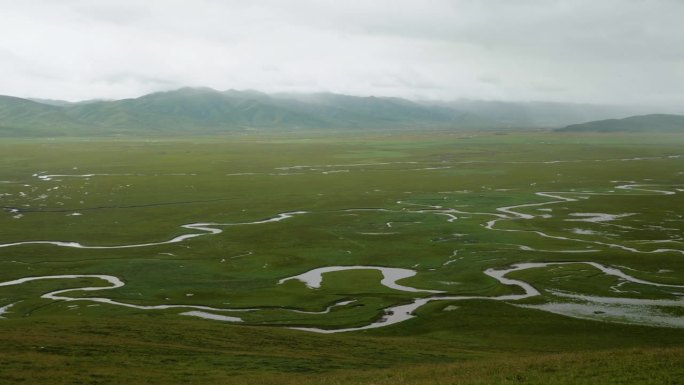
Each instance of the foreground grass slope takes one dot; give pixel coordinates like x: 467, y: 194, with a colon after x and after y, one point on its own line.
x: 141, y: 350
x: 141, y: 191
x: 650, y: 366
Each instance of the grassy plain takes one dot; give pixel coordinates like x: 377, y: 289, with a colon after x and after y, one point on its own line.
x: 142, y: 191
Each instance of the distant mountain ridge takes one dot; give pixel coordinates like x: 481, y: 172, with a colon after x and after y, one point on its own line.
x: 205, y: 110
x: 640, y: 123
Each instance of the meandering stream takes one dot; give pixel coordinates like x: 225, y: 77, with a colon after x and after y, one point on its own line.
x: 391, y: 275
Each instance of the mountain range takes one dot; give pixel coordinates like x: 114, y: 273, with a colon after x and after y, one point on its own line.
x: 204, y: 110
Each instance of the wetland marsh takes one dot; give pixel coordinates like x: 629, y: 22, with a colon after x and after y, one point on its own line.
x: 371, y: 250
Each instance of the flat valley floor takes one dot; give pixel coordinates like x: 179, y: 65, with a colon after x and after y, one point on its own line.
x: 384, y: 258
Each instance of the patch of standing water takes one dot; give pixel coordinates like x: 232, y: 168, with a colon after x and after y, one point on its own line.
x: 621, y: 313
x: 5, y: 309
x: 597, y: 217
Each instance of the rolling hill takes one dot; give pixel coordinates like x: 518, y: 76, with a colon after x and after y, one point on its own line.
x: 204, y: 110
x: 22, y: 117
x: 641, y: 123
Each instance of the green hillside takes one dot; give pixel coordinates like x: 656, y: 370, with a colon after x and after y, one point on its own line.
x: 642, y: 123
x: 206, y: 111
x: 22, y: 117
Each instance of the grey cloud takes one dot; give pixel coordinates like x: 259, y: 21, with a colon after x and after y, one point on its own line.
x: 609, y: 51
x: 129, y: 77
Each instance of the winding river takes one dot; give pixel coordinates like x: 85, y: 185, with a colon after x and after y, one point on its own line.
x: 313, y: 279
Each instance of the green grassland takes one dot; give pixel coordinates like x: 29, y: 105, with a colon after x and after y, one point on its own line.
x: 370, y: 200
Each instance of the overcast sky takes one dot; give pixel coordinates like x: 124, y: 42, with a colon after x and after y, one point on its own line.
x: 596, y: 51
